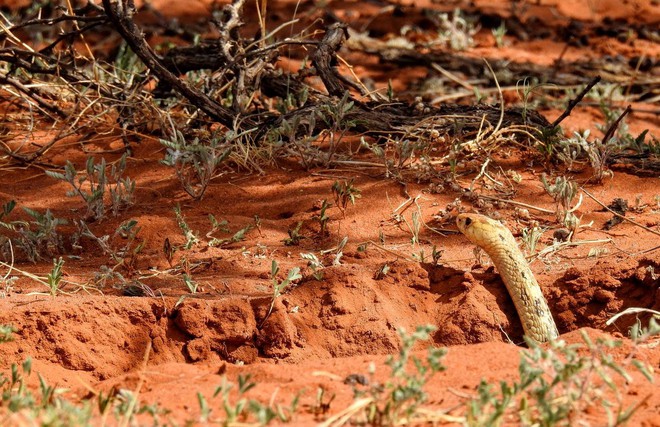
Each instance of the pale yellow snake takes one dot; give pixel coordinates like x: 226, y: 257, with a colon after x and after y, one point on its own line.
x: 498, y: 242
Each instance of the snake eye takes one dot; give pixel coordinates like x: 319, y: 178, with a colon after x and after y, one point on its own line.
x: 468, y: 221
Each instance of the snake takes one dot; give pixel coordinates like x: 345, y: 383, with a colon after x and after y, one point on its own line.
x: 500, y: 245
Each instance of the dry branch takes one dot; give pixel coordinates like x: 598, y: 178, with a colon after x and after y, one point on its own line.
x: 33, y: 95
x: 373, y: 118
x: 325, y: 60
x: 120, y: 14
x: 615, y: 124
x: 244, y: 67
x: 575, y: 101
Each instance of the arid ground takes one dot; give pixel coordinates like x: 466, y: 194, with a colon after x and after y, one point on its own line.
x: 156, y: 308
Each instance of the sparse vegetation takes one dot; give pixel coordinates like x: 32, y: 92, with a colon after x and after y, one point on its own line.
x: 195, y: 162
x: 6, y: 332
x: 241, y: 409
x: 48, y: 405
x: 123, y: 248
x: 597, y: 152
x: 402, y: 395
x: 294, y: 235
x: 190, y: 283
x: 563, y: 191
x: 36, y: 239
x: 557, y: 385
x: 55, y: 276
x: 279, y: 286
x: 530, y: 237
x: 191, y: 237
x: 315, y: 264
x: 323, y: 217
x: 499, y: 33
x: 344, y: 193
x: 456, y: 32
x: 337, y: 251
x: 236, y: 237
x: 93, y: 186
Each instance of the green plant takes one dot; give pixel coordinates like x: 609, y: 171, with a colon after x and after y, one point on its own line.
x: 15, y: 393
x: 294, y: 235
x: 525, y: 89
x: 195, y: 162
x: 321, y: 406
x: 457, y: 32
x: 6, y: 210
x: 315, y: 264
x: 218, y: 225
x: 382, y: 271
x: 92, y: 186
x: 105, y: 276
x: 223, y: 226
x: 191, y: 237
x: 344, y: 193
x: 640, y: 334
x: 45, y: 404
x: 123, y: 247
x: 55, y: 276
x: 323, y: 217
x: 44, y: 237
x: 299, y: 134
x: 6, y: 332
x: 280, y: 286
x: 35, y: 238
x: 499, y: 34
x: 400, y: 397
x: 607, y: 94
x: 233, y: 412
x: 190, y: 283
x: 236, y: 237
x: 337, y: 250
x: 641, y: 146
x: 414, y: 229
x: 265, y: 414
x: 531, y: 236
x: 127, y: 65
x: 421, y: 255
x: 380, y: 152
x: 563, y: 191
x: 337, y: 119
x: 126, y: 406
x: 436, y: 255
x: 598, y: 153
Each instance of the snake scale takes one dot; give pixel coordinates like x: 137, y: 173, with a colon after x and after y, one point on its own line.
x: 498, y: 242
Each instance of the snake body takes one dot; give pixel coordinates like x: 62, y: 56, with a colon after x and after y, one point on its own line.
x: 498, y: 242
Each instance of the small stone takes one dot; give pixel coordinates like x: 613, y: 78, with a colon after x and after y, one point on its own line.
x: 603, y: 296
x: 561, y: 234
x: 522, y: 213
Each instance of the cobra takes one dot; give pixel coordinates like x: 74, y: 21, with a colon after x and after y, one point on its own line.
x: 498, y: 242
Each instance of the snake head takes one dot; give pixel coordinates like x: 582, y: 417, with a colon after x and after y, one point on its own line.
x: 465, y: 220
x: 484, y: 231
x: 468, y: 225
